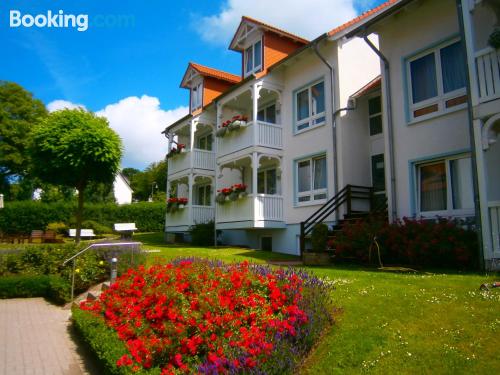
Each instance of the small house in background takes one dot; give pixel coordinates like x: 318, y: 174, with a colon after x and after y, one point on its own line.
x: 121, y: 189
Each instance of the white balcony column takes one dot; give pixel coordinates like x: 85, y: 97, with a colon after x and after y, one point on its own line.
x: 255, y: 109
x: 255, y: 170
x: 278, y: 109
x: 192, y: 131
x: 190, y: 198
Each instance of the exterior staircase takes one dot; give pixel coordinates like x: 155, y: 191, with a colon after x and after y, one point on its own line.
x: 344, y: 201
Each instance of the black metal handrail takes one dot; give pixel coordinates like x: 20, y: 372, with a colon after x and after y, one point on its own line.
x: 344, y: 196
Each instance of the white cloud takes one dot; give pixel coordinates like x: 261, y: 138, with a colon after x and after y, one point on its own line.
x: 139, y: 122
x: 62, y: 104
x: 306, y: 18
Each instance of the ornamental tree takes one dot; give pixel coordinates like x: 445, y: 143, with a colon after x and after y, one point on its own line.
x: 75, y: 148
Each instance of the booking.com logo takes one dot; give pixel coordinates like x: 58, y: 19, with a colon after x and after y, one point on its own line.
x: 80, y: 22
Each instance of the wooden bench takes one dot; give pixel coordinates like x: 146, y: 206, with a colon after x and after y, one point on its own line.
x: 84, y: 233
x: 36, y: 235
x: 50, y: 236
x: 126, y: 230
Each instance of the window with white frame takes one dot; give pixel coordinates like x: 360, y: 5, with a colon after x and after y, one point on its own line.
x: 445, y: 187
x: 253, y: 58
x: 202, y: 195
x: 204, y: 142
x: 196, y: 96
x: 311, y: 179
x: 310, y: 106
x: 267, y: 113
x: 437, y: 80
x: 375, y: 115
x: 267, y: 181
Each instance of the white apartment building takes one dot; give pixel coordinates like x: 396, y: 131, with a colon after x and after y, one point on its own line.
x: 325, y: 136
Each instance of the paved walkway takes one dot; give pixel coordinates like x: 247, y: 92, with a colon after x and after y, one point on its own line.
x: 35, y: 338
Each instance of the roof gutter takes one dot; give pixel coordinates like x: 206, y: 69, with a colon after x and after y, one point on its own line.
x: 334, y: 116
x: 390, y: 124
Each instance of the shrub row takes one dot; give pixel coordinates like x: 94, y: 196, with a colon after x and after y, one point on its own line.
x: 52, y: 287
x: 25, y: 216
x: 423, y: 243
x: 102, y: 340
x: 47, y: 260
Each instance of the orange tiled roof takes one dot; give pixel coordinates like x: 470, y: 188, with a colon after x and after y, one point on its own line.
x: 270, y: 28
x: 361, y: 17
x: 215, y: 73
x: 372, y: 85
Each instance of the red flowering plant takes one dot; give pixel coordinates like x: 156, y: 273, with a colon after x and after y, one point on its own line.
x: 235, y: 123
x: 174, y: 203
x: 200, y: 316
x: 176, y: 150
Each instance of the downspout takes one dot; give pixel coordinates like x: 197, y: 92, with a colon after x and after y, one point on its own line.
x: 390, y: 125
x: 334, y: 124
x: 475, y: 183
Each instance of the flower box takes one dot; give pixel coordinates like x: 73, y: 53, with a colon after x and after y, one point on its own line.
x: 181, y: 148
x: 234, y: 124
x: 233, y: 193
x: 174, y: 204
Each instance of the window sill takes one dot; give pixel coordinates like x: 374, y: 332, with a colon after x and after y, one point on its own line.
x: 297, y: 132
x: 308, y: 204
x: 435, y: 115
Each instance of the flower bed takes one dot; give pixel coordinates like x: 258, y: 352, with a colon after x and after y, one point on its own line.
x: 231, y: 125
x: 196, y: 316
x: 231, y: 193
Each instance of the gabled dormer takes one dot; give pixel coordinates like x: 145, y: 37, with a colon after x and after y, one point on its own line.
x: 262, y: 45
x: 205, y: 84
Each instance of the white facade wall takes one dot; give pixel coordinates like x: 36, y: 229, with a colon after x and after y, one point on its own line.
x: 403, y: 35
x: 122, y: 190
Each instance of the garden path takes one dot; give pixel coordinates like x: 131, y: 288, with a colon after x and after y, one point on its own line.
x: 36, y: 338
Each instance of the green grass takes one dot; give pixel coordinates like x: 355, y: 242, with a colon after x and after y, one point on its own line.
x: 426, y: 323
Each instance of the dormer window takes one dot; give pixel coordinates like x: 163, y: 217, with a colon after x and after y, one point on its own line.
x: 253, y: 58
x: 196, y: 96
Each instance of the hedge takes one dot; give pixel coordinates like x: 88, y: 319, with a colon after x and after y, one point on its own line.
x: 104, y: 343
x: 25, y: 216
x: 52, y: 287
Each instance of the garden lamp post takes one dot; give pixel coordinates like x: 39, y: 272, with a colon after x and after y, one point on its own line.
x: 1, y: 200
x: 153, y: 186
x: 114, y: 271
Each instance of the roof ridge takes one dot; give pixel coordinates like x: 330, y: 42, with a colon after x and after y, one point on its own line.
x: 251, y: 19
x: 214, y: 72
x: 361, y: 17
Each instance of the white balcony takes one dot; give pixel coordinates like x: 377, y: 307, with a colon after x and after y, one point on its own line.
x: 488, y: 74
x: 266, y: 135
x: 182, y: 219
x: 253, y: 211
x: 197, y: 159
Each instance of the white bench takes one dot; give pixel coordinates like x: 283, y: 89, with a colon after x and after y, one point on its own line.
x: 125, y: 229
x: 83, y: 233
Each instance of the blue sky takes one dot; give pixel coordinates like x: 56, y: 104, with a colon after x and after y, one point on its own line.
x: 135, y: 61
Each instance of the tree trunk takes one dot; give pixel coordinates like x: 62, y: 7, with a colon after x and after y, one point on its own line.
x: 79, y: 214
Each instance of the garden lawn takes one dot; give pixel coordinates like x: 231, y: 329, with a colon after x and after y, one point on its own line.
x: 437, y: 323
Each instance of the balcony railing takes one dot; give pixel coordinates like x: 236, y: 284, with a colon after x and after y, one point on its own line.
x: 268, y: 135
x: 190, y: 215
x: 252, y: 208
x: 488, y: 74
x: 198, y: 159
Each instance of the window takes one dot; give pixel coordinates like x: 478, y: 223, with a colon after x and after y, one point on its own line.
x: 445, y: 186
x: 310, y: 106
x: 267, y: 182
x: 196, y: 96
x: 204, y: 142
x: 267, y: 114
x: 437, y: 80
x: 253, y: 58
x: 311, y: 179
x: 202, y: 195
x: 375, y: 115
